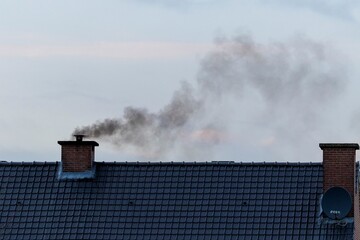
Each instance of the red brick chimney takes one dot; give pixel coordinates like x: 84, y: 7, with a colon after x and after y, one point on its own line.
x: 357, y: 213
x: 77, y: 158
x: 339, y: 167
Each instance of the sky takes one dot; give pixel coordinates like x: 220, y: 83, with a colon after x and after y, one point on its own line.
x: 250, y: 80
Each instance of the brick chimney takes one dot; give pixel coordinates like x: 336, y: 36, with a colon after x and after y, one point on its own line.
x: 339, y: 167
x: 77, y: 159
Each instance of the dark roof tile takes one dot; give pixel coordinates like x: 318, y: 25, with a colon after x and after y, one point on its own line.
x: 165, y: 201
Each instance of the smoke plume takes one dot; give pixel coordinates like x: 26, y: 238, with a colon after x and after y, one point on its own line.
x: 242, y: 86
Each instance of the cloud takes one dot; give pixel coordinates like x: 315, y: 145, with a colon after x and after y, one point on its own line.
x: 174, y: 3
x: 117, y: 50
x: 267, y: 141
x: 208, y: 135
x: 338, y: 8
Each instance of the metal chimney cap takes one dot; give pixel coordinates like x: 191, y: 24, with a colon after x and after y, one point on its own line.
x: 79, y: 137
x: 339, y: 145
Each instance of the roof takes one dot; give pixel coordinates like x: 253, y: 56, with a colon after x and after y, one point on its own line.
x: 160, y: 201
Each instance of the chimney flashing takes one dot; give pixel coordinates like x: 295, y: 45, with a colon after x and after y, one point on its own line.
x: 89, y: 174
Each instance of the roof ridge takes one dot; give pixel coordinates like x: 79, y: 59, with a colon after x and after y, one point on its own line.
x: 28, y: 163
x: 216, y: 163
x: 174, y: 163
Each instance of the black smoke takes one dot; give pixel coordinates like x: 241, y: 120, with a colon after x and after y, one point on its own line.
x: 289, y: 84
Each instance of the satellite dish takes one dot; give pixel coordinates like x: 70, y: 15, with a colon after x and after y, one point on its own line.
x: 336, y: 203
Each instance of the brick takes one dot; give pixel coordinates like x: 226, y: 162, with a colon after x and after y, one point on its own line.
x: 77, y: 156
x: 339, y: 167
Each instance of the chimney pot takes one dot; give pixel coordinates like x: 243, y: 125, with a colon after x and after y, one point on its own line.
x: 79, y: 137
